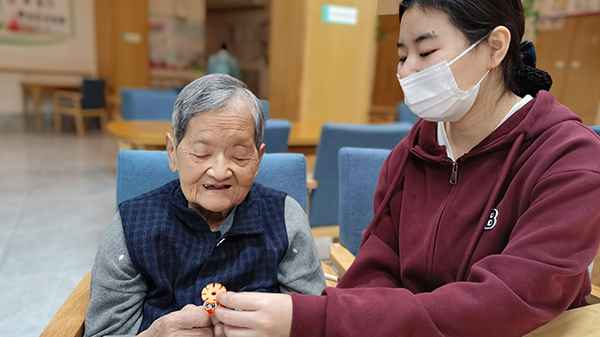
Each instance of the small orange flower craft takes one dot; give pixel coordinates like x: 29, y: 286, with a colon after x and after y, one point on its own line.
x: 209, y: 295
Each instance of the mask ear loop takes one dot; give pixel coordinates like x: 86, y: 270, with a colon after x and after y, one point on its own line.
x: 470, y: 48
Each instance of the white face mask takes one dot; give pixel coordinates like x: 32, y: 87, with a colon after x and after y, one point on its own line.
x: 433, y: 94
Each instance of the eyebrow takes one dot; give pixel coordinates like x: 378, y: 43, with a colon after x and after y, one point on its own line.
x: 419, y: 39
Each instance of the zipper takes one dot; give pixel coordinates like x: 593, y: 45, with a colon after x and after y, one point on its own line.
x: 453, y: 181
x: 454, y: 174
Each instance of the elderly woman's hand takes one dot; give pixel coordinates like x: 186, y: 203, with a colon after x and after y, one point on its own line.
x: 261, y: 315
x: 189, y: 321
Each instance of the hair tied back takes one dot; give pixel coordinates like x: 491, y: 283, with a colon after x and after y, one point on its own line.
x: 528, y: 52
x: 528, y: 79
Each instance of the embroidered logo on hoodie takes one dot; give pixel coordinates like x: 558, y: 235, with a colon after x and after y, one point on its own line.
x: 491, y: 222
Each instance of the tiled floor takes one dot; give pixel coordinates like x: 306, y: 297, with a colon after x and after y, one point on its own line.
x: 57, y: 196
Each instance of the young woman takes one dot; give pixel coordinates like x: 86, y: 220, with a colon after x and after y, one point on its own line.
x: 485, y: 216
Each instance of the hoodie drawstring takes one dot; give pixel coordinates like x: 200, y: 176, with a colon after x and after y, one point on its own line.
x: 386, y: 198
x: 462, y: 269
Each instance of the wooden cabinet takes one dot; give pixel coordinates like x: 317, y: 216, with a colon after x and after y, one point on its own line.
x: 571, y: 55
x: 386, y: 90
x: 122, y: 46
x: 320, y: 71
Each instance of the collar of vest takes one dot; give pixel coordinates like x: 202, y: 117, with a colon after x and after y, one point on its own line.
x: 247, y: 218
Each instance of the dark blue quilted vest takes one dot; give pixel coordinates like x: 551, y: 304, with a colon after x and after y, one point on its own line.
x: 178, y: 255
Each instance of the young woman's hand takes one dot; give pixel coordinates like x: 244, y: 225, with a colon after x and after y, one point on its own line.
x: 260, y: 315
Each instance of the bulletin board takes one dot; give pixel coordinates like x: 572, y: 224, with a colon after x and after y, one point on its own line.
x: 35, y: 22
x: 562, y: 8
x: 552, y: 13
x: 177, y: 34
x: 48, y: 36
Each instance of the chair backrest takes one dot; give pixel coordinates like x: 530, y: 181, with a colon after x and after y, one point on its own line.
x: 277, y: 132
x: 285, y: 172
x: 359, y: 171
x: 155, y: 104
x: 139, y: 172
x: 147, y: 104
x: 403, y: 114
x: 324, y: 201
x: 93, y: 93
x: 596, y: 129
x: 265, y: 105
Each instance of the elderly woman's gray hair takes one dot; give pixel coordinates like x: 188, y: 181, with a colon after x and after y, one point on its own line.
x: 215, y: 92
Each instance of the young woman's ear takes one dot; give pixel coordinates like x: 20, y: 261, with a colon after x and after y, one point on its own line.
x: 498, y: 42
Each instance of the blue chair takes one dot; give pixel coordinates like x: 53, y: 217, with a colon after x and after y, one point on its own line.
x: 324, y: 201
x: 265, y: 105
x: 139, y: 172
x: 285, y: 172
x: 359, y: 171
x: 277, y: 132
x: 87, y: 102
x: 596, y: 129
x: 154, y: 104
x: 403, y: 114
x: 147, y: 104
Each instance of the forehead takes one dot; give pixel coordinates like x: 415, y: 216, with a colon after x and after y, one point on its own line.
x: 236, y: 121
x: 418, y: 21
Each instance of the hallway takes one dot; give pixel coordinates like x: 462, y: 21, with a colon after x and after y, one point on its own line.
x: 57, y: 196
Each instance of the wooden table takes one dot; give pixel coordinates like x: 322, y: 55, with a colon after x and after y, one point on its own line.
x: 140, y: 134
x: 150, y: 135
x: 580, y: 322
x: 36, y: 90
x: 304, y: 138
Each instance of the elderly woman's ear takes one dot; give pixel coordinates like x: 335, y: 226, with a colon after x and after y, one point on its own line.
x: 171, y: 152
x: 261, y: 151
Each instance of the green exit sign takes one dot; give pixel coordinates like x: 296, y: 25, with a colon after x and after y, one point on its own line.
x: 340, y: 15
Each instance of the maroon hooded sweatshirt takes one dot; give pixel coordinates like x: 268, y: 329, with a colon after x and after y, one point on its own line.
x: 496, y: 244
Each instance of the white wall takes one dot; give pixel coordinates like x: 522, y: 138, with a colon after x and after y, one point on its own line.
x: 75, y: 55
x: 10, y: 93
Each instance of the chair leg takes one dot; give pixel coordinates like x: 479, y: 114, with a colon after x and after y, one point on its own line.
x: 25, y: 110
x: 79, y: 125
x: 103, y: 121
x: 57, y: 122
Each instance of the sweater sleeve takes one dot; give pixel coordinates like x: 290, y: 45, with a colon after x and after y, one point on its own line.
x: 117, y: 290
x: 300, y: 270
x: 540, y: 273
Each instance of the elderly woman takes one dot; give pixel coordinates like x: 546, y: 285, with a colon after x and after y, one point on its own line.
x: 212, y: 225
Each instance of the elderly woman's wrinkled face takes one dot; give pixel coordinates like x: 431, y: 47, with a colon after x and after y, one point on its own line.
x: 217, y: 160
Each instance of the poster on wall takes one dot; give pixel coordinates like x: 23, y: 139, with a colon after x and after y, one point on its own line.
x: 35, y: 22
x: 552, y: 13
x: 177, y: 40
x: 562, y: 8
